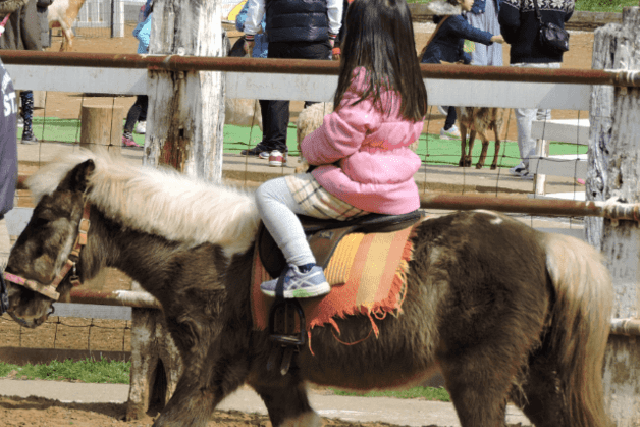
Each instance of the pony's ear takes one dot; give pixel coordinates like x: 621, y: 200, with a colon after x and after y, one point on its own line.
x: 78, y: 178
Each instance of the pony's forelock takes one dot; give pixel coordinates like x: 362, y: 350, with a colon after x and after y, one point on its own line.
x: 160, y: 201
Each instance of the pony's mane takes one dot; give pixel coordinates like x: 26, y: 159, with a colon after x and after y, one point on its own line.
x: 160, y: 201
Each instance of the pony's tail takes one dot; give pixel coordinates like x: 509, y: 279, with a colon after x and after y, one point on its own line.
x: 580, y: 325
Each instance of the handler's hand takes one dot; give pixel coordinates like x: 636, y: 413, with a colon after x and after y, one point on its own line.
x: 248, y: 47
x: 497, y: 39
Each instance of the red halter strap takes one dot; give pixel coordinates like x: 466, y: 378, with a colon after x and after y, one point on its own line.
x: 50, y: 289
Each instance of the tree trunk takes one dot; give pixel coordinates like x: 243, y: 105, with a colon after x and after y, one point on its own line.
x: 614, y: 157
x: 186, y: 109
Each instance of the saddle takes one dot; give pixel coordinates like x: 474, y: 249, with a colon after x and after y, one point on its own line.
x: 323, y: 237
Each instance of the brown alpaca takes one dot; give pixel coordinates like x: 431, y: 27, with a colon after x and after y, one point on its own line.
x: 505, y: 312
x: 480, y: 120
x: 61, y: 14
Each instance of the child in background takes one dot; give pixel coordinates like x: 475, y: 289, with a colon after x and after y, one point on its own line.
x: 138, y: 110
x: 261, y: 44
x: 447, y: 45
x: 361, y: 152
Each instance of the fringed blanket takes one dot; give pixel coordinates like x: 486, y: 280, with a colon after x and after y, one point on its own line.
x: 367, y: 274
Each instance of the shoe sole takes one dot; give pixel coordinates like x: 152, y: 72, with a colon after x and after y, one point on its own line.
x: 321, y: 289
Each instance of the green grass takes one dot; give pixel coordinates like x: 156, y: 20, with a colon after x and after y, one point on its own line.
x: 431, y: 149
x: 428, y: 393
x: 112, y: 372
x: 86, y: 371
x: 583, y: 5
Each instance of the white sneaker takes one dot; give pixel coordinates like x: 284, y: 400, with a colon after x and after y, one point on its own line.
x: 519, y: 170
x: 142, y: 127
x: 452, y: 133
x: 527, y: 175
x: 276, y: 158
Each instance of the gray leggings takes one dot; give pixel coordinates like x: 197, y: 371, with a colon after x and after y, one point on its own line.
x: 278, y: 211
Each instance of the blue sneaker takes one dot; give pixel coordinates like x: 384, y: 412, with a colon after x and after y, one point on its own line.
x: 298, y: 284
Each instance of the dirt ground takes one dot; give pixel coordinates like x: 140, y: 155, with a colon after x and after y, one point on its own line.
x: 114, y: 335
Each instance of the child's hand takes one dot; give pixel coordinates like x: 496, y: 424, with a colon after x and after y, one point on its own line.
x: 497, y: 39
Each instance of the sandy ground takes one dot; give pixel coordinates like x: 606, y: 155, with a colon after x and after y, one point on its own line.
x: 41, y: 412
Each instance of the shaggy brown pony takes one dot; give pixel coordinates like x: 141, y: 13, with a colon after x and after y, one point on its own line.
x: 502, y: 310
x: 480, y: 120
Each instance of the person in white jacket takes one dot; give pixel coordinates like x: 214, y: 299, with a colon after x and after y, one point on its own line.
x: 301, y: 29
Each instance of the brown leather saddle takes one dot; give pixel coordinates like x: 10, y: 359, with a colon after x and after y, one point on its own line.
x: 323, y: 237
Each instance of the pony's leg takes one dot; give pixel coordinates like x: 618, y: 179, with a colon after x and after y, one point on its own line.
x: 207, y: 380
x: 463, y: 144
x: 288, y: 404
x: 539, y: 397
x: 478, y: 382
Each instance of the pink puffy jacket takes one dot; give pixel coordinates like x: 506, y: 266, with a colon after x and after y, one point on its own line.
x: 375, y: 166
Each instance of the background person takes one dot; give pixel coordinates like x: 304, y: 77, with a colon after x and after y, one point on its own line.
x: 261, y: 43
x: 519, y: 25
x: 296, y: 29
x: 138, y: 111
x: 484, y: 16
x: 446, y: 45
x: 8, y: 159
x: 22, y: 32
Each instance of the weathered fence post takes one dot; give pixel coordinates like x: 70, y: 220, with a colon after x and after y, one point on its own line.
x: 102, y: 127
x: 614, y: 169
x: 186, y: 109
x: 155, y: 362
x: 184, y: 129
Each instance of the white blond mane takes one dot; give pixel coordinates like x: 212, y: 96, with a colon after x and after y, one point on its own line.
x: 160, y: 201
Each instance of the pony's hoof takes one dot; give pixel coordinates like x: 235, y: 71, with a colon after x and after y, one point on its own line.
x: 479, y: 166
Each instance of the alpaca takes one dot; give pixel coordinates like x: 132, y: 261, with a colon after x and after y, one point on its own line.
x: 309, y: 120
x: 61, y: 14
x: 480, y: 120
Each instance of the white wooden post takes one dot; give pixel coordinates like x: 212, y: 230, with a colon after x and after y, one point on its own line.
x: 614, y: 166
x: 117, y: 18
x: 186, y: 109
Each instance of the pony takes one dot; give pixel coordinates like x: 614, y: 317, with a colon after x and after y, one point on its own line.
x: 480, y: 120
x: 503, y: 311
x: 62, y: 13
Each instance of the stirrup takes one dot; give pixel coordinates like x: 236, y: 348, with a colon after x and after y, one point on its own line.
x: 282, y: 328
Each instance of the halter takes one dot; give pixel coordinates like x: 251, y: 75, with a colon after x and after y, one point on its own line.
x: 50, y: 289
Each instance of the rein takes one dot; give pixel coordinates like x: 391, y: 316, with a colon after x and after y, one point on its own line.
x: 50, y: 289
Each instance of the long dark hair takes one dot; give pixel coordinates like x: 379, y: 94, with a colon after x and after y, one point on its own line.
x: 379, y: 37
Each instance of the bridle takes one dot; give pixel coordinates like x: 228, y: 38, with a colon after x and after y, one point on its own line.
x: 70, y: 265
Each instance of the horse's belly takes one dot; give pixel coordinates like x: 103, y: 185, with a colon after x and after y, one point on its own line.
x: 374, y: 380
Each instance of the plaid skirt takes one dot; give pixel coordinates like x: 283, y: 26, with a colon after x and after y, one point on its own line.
x: 316, y: 201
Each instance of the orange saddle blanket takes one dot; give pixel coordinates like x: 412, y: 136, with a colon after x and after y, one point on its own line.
x: 367, y: 274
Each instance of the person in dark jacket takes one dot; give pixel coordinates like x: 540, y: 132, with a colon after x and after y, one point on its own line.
x: 22, y: 32
x: 519, y: 26
x: 447, y: 45
x: 8, y: 158
x: 45, y: 31
x: 304, y: 29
